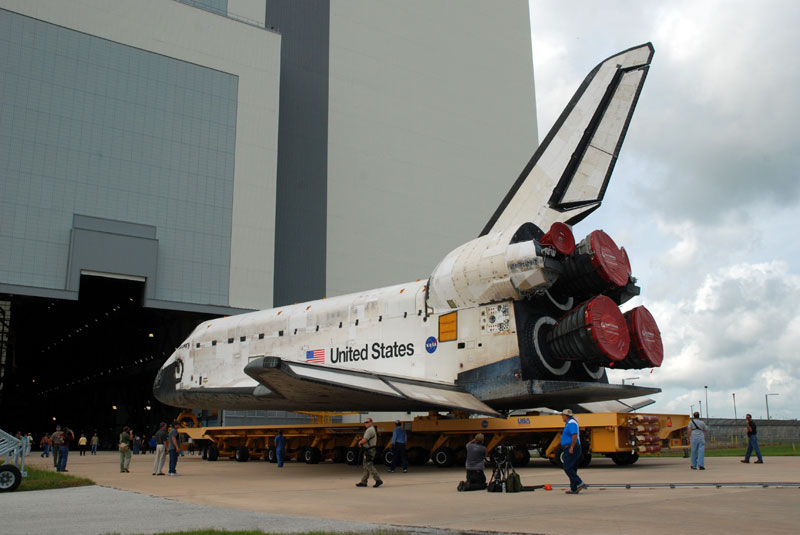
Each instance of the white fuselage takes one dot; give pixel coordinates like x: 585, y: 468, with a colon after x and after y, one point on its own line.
x: 384, y: 331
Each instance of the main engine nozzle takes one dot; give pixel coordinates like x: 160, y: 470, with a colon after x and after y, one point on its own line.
x: 647, y: 350
x: 596, y: 265
x: 595, y: 332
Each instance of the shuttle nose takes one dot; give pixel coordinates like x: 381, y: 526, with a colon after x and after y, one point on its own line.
x: 164, y: 385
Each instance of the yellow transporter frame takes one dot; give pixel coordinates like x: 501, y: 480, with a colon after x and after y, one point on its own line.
x: 621, y: 436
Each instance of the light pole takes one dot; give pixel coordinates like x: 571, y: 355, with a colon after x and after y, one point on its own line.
x: 734, y: 405
x: 706, y: 387
x: 629, y: 379
x: 691, y: 410
x: 700, y: 401
x: 766, y: 402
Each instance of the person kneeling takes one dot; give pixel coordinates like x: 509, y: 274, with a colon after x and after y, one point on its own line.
x: 476, y: 454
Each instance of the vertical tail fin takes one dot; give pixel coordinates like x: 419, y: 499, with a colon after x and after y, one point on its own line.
x: 567, y: 176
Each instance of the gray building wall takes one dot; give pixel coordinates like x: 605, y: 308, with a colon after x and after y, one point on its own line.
x: 151, y: 113
x: 220, y: 7
x: 432, y: 117
x: 302, y: 188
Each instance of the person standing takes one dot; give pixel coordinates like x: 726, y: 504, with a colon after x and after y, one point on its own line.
x: 476, y: 455
x: 82, y: 445
x: 161, y: 449
x: 45, y: 444
x: 571, y: 451
x: 369, y: 443
x: 174, y: 448
x: 94, y: 443
x: 67, y: 436
x: 29, y: 438
x: 55, y: 443
x: 398, y: 446
x: 752, y: 441
x: 697, y: 437
x: 21, y: 452
x: 125, y: 450
x: 280, y: 448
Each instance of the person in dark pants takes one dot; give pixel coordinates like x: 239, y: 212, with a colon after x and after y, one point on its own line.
x: 572, y: 453
x: 280, y: 448
x: 752, y: 441
x: 399, y: 447
x: 174, y: 446
x: 476, y: 453
x: 63, y: 450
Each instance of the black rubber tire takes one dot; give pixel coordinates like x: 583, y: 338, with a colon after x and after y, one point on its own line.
x: 351, y: 457
x: 418, y: 456
x: 271, y: 456
x: 558, y: 460
x: 339, y: 454
x: 204, y: 453
x: 625, y: 458
x: 10, y: 478
x: 586, y: 459
x: 388, y: 457
x: 213, y: 453
x: 444, y: 458
x: 241, y: 454
x: 520, y: 457
x: 311, y: 455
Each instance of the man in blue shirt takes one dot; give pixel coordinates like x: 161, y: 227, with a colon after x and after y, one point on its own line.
x: 280, y: 448
x: 398, y: 447
x: 571, y: 451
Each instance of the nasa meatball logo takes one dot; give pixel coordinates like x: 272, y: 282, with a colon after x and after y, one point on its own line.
x: 431, y: 344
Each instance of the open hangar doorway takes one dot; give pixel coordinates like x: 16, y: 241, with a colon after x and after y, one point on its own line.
x: 88, y: 364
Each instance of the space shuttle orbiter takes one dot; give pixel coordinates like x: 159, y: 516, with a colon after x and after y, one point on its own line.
x: 519, y: 317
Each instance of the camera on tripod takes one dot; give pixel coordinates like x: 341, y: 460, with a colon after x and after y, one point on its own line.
x: 500, y: 455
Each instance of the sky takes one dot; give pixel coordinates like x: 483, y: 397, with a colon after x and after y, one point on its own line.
x: 705, y: 196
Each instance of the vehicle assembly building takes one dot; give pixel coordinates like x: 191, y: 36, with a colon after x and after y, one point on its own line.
x: 164, y: 162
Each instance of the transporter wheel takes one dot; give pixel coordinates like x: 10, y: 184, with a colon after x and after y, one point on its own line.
x: 625, y: 458
x: 520, y: 457
x: 339, y: 454
x: 388, y: 457
x: 212, y: 453
x: 586, y: 458
x: 351, y: 457
x: 418, y: 456
x: 10, y: 478
x: 444, y: 458
x: 311, y: 455
x: 271, y: 455
x: 204, y: 453
x: 558, y: 459
x: 241, y: 454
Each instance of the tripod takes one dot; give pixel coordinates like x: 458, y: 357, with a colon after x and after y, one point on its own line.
x: 502, y: 468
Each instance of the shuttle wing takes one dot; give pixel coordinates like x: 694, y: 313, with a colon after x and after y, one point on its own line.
x: 313, y: 387
x: 567, y: 176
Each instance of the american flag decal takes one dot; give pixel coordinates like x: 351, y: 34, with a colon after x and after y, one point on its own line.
x: 317, y: 356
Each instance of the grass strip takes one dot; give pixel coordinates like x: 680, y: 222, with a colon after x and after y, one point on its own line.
x: 259, y: 532
x: 39, y: 479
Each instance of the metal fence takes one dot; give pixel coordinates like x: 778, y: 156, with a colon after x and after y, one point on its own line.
x: 727, y: 432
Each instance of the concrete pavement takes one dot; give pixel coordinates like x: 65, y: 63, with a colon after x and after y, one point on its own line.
x: 260, y: 494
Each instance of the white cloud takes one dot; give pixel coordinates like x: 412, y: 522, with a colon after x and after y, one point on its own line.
x: 706, y: 194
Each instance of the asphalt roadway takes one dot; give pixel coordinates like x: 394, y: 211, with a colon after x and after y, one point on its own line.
x: 300, y: 497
